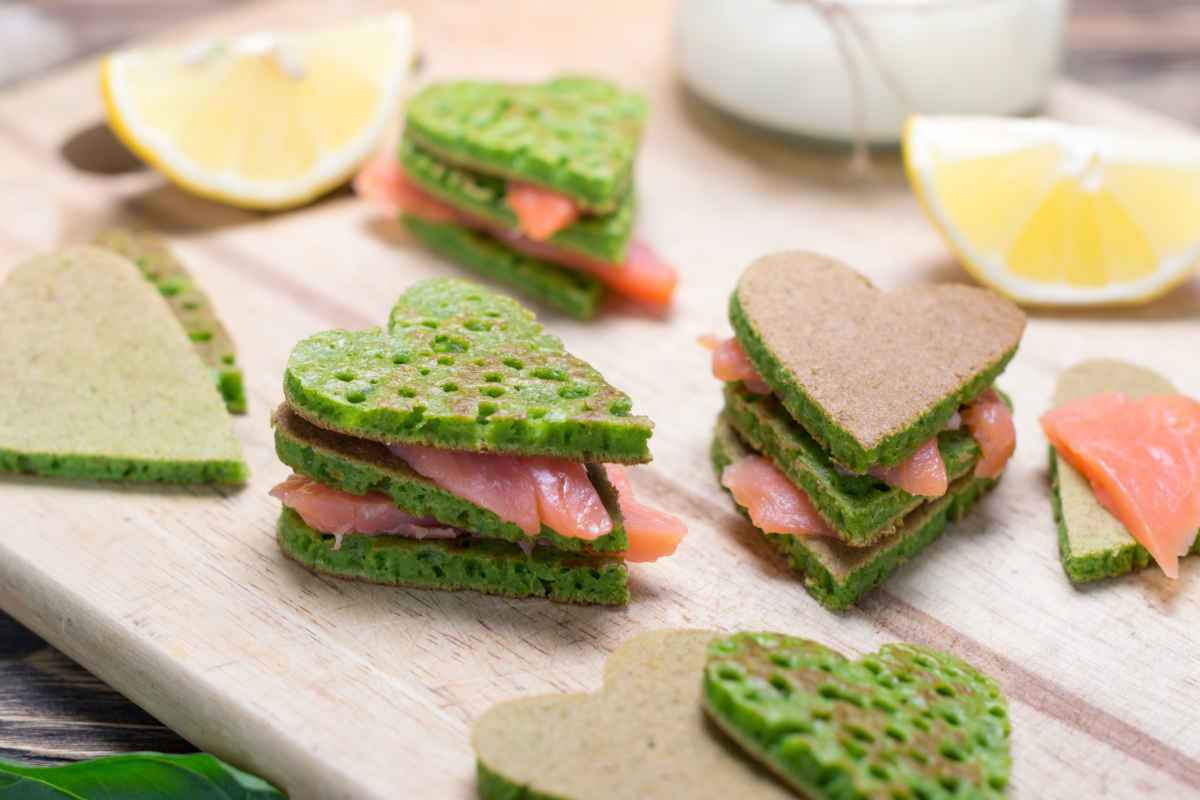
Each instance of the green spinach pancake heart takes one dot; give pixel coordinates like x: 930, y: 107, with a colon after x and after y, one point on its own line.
x: 905, y: 722
x: 461, y: 368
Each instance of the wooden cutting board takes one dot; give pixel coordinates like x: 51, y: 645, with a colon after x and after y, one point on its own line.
x: 180, y: 599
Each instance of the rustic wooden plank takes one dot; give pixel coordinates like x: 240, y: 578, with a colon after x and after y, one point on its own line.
x: 52, y: 710
x: 180, y: 599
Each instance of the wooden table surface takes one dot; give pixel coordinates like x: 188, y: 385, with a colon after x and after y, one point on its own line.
x: 51, y: 710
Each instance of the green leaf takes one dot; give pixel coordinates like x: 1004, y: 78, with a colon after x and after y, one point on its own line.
x: 135, y: 776
x: 17, y: 787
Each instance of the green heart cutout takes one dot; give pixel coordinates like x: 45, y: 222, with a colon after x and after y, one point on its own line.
x: 463, y: 368
x: 573, y: 134
x: 871, y: 375
x: 905, y: 722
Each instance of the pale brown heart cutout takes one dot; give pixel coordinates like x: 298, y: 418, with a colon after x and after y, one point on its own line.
x: 874, y: 362
x: 644, y: 735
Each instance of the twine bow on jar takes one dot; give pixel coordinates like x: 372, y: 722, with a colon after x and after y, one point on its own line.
x: 845, y: 25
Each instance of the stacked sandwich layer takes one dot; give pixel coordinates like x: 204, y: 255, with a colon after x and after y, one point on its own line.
x: 463, y: 448
x: 530, y: 185
x: 850, y: 459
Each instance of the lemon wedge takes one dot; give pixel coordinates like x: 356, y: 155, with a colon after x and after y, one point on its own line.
x: 263, y: 121
x: 1054, y: 214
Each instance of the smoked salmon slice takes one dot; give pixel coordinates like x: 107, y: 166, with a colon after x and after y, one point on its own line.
x: 990, y: 422
x: 541, y: 212
x: 643, y: 276
x: 653, y: 534
x: 333, y: 511
x: 1142, y: 459
x: 566, y: 499
x: 774, y: 503
x: 385, y: 186
x: 730, y: 363
x: 922, y: 474
x: 526, y: 491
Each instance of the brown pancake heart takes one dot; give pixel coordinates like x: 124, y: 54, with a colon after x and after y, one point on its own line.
x: 870, y: 374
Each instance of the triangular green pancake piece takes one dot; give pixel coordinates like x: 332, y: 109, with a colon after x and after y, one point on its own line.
x: 463, y: 368
x: 105, y: 383
x: 190, y: 305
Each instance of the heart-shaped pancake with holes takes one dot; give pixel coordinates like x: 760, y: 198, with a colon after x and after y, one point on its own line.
x: 643, y: 735
x: 575, y: 135
x: 871, y: 375
x: 906, y: 721
x: 462, y: 368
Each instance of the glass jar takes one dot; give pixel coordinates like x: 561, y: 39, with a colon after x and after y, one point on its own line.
x: 784, y: 63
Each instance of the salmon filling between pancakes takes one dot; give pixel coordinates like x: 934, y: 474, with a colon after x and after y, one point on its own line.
x: 541, y: 213
x: 528, y: 491
x: 922, y: 474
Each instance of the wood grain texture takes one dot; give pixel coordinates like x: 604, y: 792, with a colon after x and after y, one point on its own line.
x: 53, y: 710
x: 180, y: 599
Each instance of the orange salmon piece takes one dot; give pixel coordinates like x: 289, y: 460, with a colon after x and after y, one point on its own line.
x: 653, y: 534
x: 330, y: 510
x: 642, y: 276
x: 990, y: 422
x: 922, y: 474
x: 730, y: 363
x: 529, y: 491
x: 775, y: 504
x: 566, y: 499
x: 541, y: 212
x: 385, y: 186
x: 501, y: 484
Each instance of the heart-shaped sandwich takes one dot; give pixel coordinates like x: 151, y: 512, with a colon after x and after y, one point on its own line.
x: 870, y: 374
x: 859, y: 417
x: 906, y: 721
x: 528, y: 184
x: 463, y: 448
